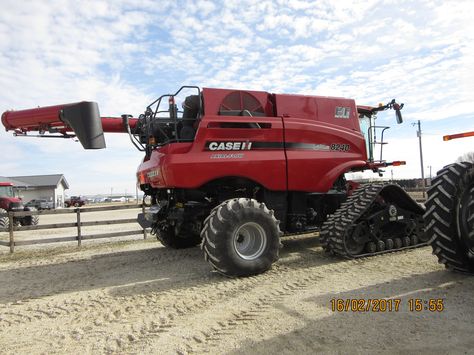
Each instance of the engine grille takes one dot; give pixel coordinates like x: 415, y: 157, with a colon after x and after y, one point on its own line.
x: 16, y: 206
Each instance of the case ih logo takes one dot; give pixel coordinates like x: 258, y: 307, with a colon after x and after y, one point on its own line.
x: 153, y: 173
x: 229, y: 145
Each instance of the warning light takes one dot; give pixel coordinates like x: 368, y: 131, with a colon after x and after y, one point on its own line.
x: 399, y: 163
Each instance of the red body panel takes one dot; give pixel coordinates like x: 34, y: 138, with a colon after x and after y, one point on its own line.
x: 296, y: 152
x: 6, y: 200
x: 190, y: 165
x: 311, y: 120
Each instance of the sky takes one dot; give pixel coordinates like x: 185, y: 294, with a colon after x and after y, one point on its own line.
x: 124, y: 54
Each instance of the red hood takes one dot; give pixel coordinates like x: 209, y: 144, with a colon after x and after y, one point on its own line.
x: 5, y: 201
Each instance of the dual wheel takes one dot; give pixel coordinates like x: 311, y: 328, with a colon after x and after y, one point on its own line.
x: 449, y: 216
x: 240, y: 237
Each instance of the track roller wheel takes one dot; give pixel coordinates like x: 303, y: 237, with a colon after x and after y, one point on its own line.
x: 397, y: 243
x: 389, y: 244
x: 241, y: 237
x: 414, y: 239
x: 380, y: 245
x: 371, y: 247
x: 406, y: 241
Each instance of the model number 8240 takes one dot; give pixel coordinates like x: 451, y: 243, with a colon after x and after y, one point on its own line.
x: 340, y: 147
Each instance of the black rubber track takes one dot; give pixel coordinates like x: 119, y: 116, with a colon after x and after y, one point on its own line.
x: 451, y: 184
x: 217, y: 237
x: 333, y: 232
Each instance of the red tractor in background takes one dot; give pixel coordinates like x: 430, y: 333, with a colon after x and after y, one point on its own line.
x: 234, y: 170
x: 449, y: 216
x: 9, y: 202
x: 76, y: 201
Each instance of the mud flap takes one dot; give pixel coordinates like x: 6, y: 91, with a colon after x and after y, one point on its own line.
x: 143, y: 222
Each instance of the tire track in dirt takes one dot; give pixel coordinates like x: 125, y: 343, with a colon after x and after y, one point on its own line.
x: 167, y: 306
x: 176, y: 308
x: 272, y: 288
x: 107, y: 309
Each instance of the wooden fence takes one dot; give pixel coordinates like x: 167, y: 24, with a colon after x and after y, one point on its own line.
x: 78, y: 224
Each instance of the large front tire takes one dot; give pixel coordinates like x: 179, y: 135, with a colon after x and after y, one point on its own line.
x: 4, y: 221
x: 449, y: 216
x: 241, y: 237
x: 32, y: 220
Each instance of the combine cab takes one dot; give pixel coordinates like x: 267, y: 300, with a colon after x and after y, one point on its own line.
x: 235, y: 170
x: 449, y: 214
x: 10, y: 203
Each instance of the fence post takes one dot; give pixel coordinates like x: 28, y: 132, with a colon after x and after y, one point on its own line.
x: 79, y: 236
x: 144, y: 229
x: 10, y: 226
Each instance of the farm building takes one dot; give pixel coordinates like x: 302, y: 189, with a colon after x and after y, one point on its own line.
x: 48, y: 187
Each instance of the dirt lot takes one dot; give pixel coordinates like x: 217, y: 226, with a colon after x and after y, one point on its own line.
x: 138, y: 297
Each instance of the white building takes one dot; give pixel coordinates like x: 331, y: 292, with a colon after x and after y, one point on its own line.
x: 48, y: 187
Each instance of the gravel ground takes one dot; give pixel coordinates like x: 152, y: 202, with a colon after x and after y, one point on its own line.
x: 136, y: 296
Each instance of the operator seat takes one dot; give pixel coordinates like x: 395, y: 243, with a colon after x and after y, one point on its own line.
x: 191, y: 106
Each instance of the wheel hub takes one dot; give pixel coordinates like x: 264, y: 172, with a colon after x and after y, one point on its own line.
x: 249, y: 241
x: 357, y: 238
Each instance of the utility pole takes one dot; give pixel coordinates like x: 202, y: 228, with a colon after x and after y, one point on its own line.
x: 418, y: 133
x: 429, y: 166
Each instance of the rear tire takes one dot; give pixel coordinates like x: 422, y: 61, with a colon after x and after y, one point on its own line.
x: 241, y: 237
x: 32, y: 220
x: 449, y: 217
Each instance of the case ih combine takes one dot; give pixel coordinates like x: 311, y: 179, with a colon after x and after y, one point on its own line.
x: 235, y: 170
x: 450, y: 214
x: 9, y: 202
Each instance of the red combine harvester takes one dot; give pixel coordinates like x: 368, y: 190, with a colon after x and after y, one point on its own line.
x: 9, y: 202
x: 449, y: 214
x: 235, y: 170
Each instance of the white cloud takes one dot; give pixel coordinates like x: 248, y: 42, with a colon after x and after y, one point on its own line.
x: 122, y: 54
